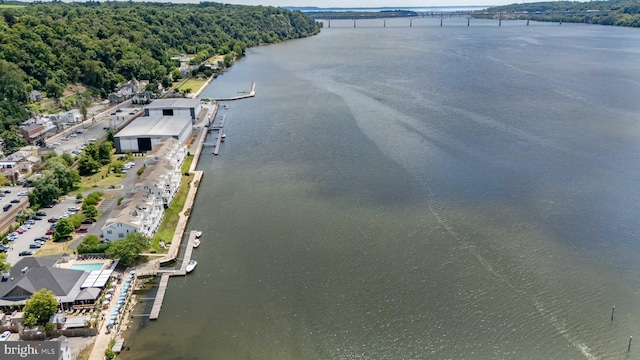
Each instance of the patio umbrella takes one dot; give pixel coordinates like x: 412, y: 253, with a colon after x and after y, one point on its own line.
x: 106, y: 302
x: 108, y: 296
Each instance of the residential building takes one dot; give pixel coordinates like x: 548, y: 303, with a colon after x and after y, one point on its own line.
x: 142, y: 210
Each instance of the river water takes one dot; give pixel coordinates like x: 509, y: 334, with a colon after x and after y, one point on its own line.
x: 418, y: 192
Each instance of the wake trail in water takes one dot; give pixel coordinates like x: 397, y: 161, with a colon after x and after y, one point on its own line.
x: 369, y: 115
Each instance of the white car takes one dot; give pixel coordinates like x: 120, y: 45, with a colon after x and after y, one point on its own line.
x: 5, y: 335
x: 22, y: 193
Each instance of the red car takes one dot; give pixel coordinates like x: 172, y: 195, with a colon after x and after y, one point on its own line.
x: 49, y: 232
x: 20, y: 231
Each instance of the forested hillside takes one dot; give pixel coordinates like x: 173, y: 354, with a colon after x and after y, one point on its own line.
x: 612, y: 12
x: 47, y: 46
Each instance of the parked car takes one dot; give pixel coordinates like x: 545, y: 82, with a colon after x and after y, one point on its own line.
x: 82, y: 230
x: 48, y: 206
x: 4, y: 248
x: 25, y: 253
x: 87, y: 221
x: 49, y: 232
x: 15, y: 201
x: 6, y: 191
x: 35, y: 245
x: 7, y: 207
x: 52, y: 220
x: 5, y: 336
x: 37, y: 217
x: 30, y: 222
x: 73, y: 208
x: 22, y: 193
x: 20, y: 231
x: 41, y: 213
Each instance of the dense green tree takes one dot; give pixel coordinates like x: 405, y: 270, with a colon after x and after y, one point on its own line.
x: 68, y: 158
x: 4, y: 265
x: 128, y: 250
x: 111, y: 136
x: 24, y: 214
x: 12, y: 139
x: 4, y: 181
x: 39, y: 307
x: 104, y: 153
x: 87, y: 166
x: 12, y: 82
x: 92, y: 245
x: 47, y: 46
x: 64, y: 227
x: 54, y: 89
x: 90, y: 212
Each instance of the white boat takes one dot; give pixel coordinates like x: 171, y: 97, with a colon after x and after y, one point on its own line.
x: 223, y: 136
x: 191, y: 265
x: 198, y: 234
x: 196, y: 243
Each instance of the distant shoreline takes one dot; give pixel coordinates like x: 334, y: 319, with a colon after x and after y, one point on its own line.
x: 377, y: 9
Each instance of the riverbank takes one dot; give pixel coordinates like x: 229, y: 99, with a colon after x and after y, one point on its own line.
x: 104, y: 339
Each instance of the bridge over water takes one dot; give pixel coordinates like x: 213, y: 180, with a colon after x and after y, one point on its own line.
x: 442, y: 15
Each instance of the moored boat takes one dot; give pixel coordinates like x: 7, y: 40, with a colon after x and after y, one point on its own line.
x: 196, y: 243
x: 191, y: 265
x: 198, y: 234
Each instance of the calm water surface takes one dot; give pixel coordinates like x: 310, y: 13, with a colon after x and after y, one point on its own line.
x: 418, y: 193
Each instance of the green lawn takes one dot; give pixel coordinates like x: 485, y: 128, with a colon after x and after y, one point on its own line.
x: 172, y: 214
x: 193, y: 83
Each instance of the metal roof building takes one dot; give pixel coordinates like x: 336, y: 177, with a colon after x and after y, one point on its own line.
x: 145, y: 132
x: 174, y: 107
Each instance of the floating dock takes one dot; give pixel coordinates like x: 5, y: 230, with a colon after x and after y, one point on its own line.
x: 251, y: 94
x: 165, y: 274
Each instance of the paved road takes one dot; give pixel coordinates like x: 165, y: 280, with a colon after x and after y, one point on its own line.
x: 71, y: 139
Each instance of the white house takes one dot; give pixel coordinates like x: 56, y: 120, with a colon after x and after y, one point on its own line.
x: 142, y: 212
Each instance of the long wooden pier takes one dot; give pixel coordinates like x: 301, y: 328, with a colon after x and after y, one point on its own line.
x: 251, y: 94
x: 165, y: 274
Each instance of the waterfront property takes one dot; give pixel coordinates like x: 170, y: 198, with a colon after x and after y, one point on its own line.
x: 143, y: 209
x: 141, y: 212
x: 143, y: 133
x: 70, y: 286
x: 174, y: 107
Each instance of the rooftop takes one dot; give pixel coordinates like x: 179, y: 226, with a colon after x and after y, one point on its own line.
x: 174, y: 103
x: 155, y: 126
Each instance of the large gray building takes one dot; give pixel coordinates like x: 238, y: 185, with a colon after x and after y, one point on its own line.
x: 174, y: 107
x: 145, y: 132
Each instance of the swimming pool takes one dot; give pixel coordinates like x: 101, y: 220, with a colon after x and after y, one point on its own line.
x: 89, y: 266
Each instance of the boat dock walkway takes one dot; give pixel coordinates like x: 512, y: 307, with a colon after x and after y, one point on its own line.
x: 251, y: 94
x: 165, y: 274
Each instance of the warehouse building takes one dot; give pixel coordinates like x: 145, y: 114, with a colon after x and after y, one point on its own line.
x: 174, y: 107
x: 145, y: 132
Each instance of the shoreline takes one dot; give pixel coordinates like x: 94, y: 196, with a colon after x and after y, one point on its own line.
x: 103, y: 340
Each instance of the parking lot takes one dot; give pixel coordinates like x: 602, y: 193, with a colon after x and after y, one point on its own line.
x: 70, y: 141
x: 38, y: 228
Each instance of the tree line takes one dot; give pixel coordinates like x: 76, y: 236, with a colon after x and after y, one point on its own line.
x: 611, y: 12
x: 47, y: 46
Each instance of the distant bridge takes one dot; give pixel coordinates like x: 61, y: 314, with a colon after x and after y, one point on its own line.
x: 498, y: 16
